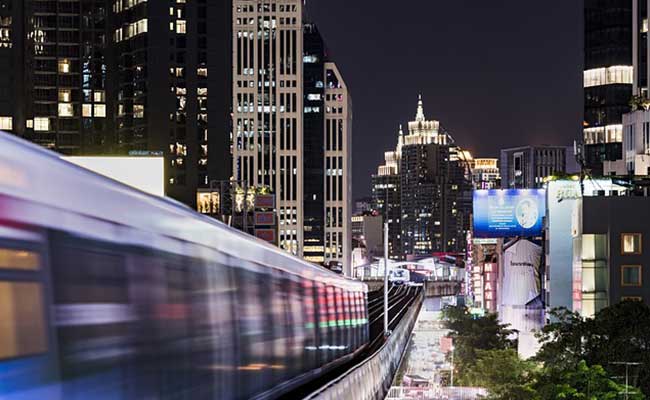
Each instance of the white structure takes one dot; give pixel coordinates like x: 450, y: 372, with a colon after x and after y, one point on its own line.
x: 636, y: 146
x: 267, y: 107
x: 338, y: 167
x: 268, y: 125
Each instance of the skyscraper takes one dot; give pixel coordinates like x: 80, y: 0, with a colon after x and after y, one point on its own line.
x: 99, y: 77
x: 609, y: 67
x: 526, y: 167
x: 386, y: 200
x: 292, y: 127
x: 435, y: 190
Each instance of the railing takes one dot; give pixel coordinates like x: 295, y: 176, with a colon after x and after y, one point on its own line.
x: 431, y: 393
x: 371, y: 379
x: 442, y: 288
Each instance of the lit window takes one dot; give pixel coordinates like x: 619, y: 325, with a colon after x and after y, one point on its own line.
x: 22, y: 331
x: 29, y: 124
x: 138, y: 111
x: 87, y: 110
x: 66, y: 110
x: 41, y: 124
x: 64, y: 66
x: 644, y: 25
x: 99, y: 96
x: 65, y: 95
x: 631, y: 243
x: 181, y: 26
x: 631, y: 275
x: 19, y: 259
x: 202, y: 72
x: 618, y: 74
x: 631, y: 298
x: 6, y: 123
x: 100, y: 110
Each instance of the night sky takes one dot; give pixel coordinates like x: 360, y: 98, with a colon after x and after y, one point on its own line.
x: 496, y: 74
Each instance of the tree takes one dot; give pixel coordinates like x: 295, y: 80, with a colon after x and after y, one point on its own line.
x: 471, y: 333
x: 619, y: 333
x: 581, y: 383
x: 503, y: 374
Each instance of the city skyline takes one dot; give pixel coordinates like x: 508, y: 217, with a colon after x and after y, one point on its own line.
x: 458, y: 61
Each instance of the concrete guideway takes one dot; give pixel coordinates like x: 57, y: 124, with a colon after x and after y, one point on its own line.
x: 371, y: 378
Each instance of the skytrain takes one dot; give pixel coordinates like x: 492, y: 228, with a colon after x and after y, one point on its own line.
x: 107, y: 292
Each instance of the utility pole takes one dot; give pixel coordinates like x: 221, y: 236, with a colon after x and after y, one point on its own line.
x: 627, y: 375
x: 452, y: 366
x: 386, y: 279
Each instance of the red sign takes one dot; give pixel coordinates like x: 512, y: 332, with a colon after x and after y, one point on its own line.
x: 490, y: 278
x: 266, y: 234
x: 264, y: 218
x: 446, y: 343
x: 265, y: 201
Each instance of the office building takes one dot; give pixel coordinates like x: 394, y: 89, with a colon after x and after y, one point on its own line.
x: 436, y: 191
x: 386, y: 196
x: 614, y: 55
x: 97, y: 78
x: 363, y: 205
x: 485, y: 173
x: 636, y: 146
x: 561, y: 198
x: 292, y: 128
x: 526, y: 167
x: 609, y: 256
x: 368, y: 231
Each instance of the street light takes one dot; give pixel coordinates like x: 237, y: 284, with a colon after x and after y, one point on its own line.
x: 386, y: 333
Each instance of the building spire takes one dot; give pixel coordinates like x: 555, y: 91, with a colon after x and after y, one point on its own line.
x: 401, y: 132
x: 419, y: 116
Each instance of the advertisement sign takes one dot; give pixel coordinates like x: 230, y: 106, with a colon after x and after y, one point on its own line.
x: 490, y: 278
x: 509, y: 213
x: 265, y: 201
x: 264, y: 218
x: 265, y: 234
x: 143, y: 173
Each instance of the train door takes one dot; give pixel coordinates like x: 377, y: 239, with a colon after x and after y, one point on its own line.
x: 28, y: 367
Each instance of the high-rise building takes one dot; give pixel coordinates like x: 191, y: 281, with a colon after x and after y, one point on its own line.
x: 526, y: 167
x: 386, y: 197
x: 292, y: 127
x: 485, y: 173
x: 99, y: 77
x: 614, y: 54
x: 436, y: 190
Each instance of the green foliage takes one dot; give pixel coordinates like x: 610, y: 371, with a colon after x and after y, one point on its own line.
x: 620, y: 333
x: 471, y: 334
x: 503, y: 374
x: 576, y: 361
x: 581, y: 383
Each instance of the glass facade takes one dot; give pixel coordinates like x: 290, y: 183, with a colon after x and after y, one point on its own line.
x: 100, y: 78
x: 608, y: 76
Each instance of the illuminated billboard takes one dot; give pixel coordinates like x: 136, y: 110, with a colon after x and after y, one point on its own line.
x: 509, y: 213
x: 144, y: 173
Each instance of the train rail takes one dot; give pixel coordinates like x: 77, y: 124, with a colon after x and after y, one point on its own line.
x: 400, y: 299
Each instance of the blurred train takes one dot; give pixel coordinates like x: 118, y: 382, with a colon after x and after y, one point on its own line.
x: 109, y: 293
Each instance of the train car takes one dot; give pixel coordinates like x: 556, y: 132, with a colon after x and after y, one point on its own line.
x: 399, y: 276
x: 107, y: 292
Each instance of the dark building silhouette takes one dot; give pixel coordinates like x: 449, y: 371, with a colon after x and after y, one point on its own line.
x: 608, y: 76
x: 97, y: 77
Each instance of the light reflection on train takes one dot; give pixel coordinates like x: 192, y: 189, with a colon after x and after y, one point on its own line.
x: 109, y: 293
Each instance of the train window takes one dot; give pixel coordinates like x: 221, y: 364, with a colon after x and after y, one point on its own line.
x: 88, y: 275
x: 22, y: 326
x: 19, y: 259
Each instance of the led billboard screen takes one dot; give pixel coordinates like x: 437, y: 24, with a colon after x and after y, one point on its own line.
x: 144, y: 173
x: 509, y: 213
